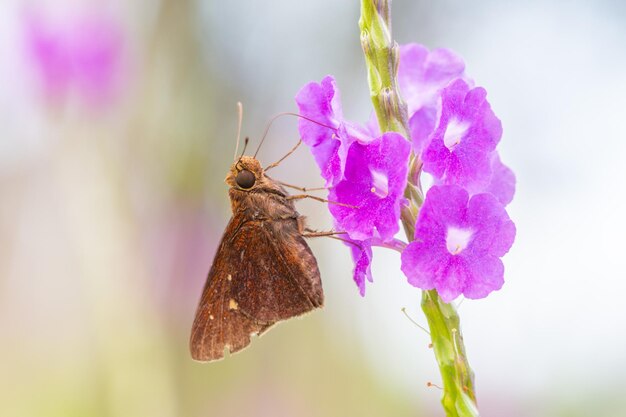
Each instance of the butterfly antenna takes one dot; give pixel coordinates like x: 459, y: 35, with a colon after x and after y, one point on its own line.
x: 240, y: 119
x: 267, y: 128
x: 245, y: 145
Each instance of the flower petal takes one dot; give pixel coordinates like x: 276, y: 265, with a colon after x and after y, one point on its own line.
x: 321, y: 102
x: 454, y: 279
x: 421, y: 125
x: 422, y: 74
x: 420, y: 263
x: 487, y: 276
x: 443, y: 206
x: 502, y: 183
x: 376, y: 212
x: 362, y: 256
x: 330, y: 138
x: 494, y: 232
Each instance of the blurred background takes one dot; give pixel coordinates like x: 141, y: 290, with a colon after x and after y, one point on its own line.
x: 118, y: 125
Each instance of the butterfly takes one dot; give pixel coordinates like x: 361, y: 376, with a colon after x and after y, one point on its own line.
x: 263, y: 272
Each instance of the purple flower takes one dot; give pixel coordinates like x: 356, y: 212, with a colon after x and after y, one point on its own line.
x: 460, y: 149
x: 329, y: 140
x: 362, y: 256
x: 375, y: 178
x: 422, y: 74
x: 83, y: 54
x: 366, y: 175
x: 458, y: 244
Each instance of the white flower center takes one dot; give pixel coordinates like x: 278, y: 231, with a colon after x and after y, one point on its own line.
x: 454, y: 133
x: 457, y: 239
x: 380, y: 184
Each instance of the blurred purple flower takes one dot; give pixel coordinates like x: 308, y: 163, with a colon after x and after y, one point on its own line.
x: 375, y: 178
x: 458, y: 244
x: 422, y: 74
x: 322, y: 103
x: 84, y: 55
x: 460, y: 149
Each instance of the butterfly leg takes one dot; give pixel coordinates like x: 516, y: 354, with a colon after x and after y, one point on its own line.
x: 316, y: 198
x: 295, y: 187
x: 314, y: 233
x: 331, y: 234
x: 275, y: 164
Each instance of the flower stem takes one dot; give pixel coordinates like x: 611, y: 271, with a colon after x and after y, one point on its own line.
x: 458, y: 398
x: 382, y: 57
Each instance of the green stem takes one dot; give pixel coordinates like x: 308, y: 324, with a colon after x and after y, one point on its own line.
x: 459, y: 398
x: 382, y: 57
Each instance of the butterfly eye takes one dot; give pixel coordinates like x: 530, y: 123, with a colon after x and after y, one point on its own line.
x: 245, y: 179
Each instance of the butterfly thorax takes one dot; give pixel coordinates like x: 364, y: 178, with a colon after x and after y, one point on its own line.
x: 261, y: 205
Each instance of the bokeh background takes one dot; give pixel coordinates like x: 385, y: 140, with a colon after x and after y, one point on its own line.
x: 118, y: 125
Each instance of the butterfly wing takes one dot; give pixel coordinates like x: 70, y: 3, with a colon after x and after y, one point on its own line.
x: 263, y: 272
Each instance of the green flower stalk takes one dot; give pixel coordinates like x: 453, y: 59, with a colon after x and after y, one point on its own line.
x: 382, y: 58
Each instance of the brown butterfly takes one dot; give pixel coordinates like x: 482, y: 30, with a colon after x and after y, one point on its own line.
x: 263, y: 272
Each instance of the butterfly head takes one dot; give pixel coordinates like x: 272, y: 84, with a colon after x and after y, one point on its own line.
x: 246, y: 174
